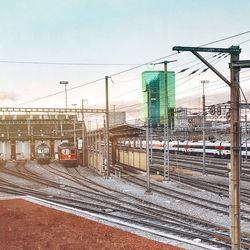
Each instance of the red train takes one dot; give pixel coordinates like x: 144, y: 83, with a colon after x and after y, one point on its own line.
x: 67, y: 155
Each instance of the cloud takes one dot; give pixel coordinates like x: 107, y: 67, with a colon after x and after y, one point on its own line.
x: 7, y: 96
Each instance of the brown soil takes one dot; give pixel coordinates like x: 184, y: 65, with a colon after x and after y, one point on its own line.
x: 28, y: 226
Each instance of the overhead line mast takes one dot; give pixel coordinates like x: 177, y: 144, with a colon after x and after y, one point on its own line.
x: 235, y: 66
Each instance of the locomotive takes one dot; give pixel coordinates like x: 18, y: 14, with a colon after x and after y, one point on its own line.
x: 67, y: 154
x: 43, y: 154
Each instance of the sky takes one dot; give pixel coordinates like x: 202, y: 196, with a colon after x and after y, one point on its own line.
x: 39, y: 39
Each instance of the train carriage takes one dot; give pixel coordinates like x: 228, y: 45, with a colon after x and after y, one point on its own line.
x: 182, y: 147
x: 218, y: 148
x: 213, y: 148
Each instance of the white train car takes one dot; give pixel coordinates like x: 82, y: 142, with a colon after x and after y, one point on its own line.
x: 214, y: 148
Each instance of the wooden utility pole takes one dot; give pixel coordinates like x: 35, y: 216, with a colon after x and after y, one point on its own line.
x: 235, y: 66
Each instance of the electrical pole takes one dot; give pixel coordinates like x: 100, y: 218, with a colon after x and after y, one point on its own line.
x: 166, y: 121
x: 147, y: 140
x: 246, y: 134
x: 147, y: 156
x: 74, y: 125
x: 107, y: 125
x: 235, y: 66
x: 147, y: 121
x: 235, y: 152
x: 114, y: 122
x: 83, y: 133
x: 74, y: 132
x: 65, y: 83
x: 203, y: 125
x: 150, y: 125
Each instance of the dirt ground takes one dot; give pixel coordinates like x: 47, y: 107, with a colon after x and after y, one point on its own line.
x: 29, y: 226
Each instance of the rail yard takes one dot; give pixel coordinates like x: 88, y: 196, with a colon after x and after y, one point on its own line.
x: 125, y: 125
x: 192, y: 209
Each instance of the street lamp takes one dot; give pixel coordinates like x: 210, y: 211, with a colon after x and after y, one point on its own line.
x: 203, y: 126
x: 65, y: 84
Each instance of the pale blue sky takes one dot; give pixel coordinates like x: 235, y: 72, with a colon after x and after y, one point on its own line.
x: 104, y: 32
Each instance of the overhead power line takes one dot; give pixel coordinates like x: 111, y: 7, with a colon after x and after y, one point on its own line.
x: 226, y: 38
x: 118, y: 73
x: 60, y: 92
x: 68, y: 63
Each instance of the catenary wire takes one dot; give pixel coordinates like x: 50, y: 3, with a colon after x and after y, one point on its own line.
x: 133, y: 68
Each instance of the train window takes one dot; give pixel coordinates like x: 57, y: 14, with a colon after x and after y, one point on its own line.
x: 65, y: 151
x: 46, y: 150
x: 72, y: 151
x: 41, y: 150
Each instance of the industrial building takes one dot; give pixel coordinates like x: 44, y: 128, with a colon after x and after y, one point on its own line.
x: 153, y: 97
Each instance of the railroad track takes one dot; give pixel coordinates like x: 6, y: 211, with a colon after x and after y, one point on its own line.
x: 219, y: 188
x: 218, y: 207
x: 194, y: 163
x: 214, y: 166
x: 85, y: 194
